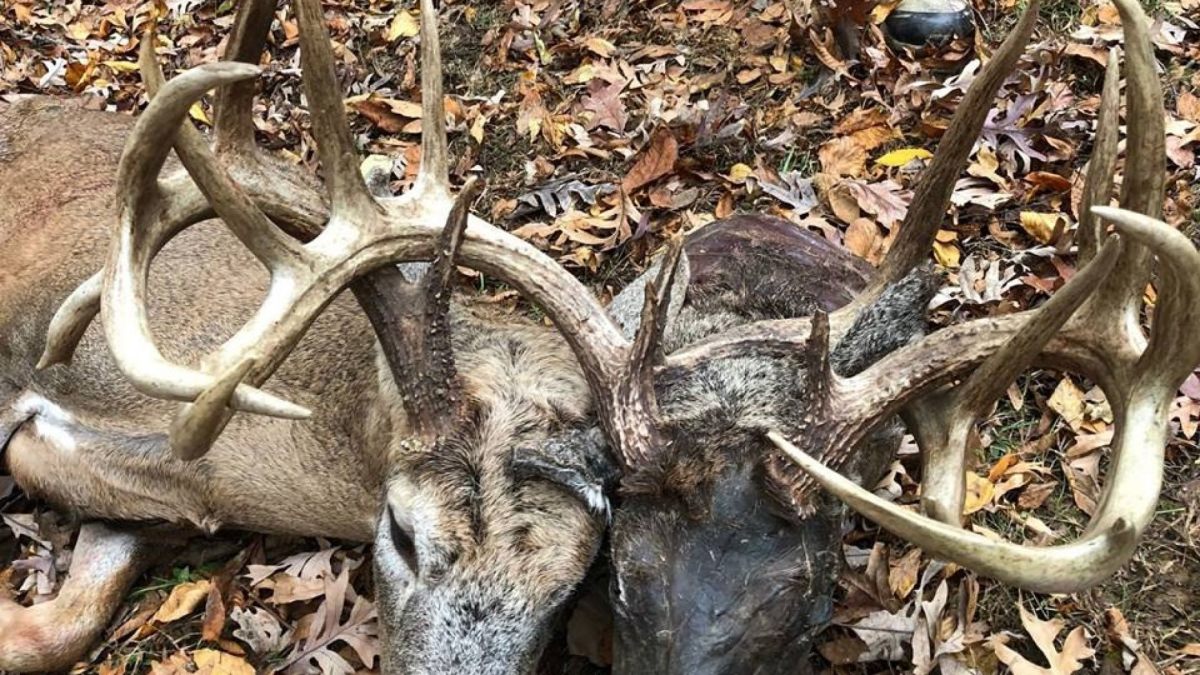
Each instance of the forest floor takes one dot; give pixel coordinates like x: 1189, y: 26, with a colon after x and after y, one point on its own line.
x: 605, y: 127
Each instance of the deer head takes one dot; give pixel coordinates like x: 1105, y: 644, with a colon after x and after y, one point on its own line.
x: 726, y: 423
x: 722, y: 548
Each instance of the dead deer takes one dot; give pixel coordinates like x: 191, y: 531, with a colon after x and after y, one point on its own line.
x: 723, y: 550
x: 456, y: 442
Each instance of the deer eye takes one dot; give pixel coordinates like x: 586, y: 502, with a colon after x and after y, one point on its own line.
x: 400, y: 534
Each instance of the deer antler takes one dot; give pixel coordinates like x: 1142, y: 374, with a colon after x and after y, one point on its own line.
x: 1097, y: 335
x: 287, y: 196
x: 362, y: 237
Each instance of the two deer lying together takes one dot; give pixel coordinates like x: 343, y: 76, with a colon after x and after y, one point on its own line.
x: 711, y: 402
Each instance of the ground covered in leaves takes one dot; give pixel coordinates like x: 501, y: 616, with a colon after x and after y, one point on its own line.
x: 606, y: 126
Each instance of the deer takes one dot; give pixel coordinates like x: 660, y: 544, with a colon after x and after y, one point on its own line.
x: 723, y: 412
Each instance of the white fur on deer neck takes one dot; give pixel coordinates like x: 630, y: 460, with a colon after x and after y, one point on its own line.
x: 51, y: 423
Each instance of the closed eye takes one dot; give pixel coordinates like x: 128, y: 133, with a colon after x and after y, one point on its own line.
x: 402, y: 540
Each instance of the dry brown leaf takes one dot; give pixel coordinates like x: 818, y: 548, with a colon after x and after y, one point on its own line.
x: 1067, y: 400
x: 902, y: 575
x: 656, y: 160
x: 1075, y: 647
x: 843, y: 157
x: 873, y: 137
x: 1049, y: 181
x: 857, y: 120
x: 843, y: 203
x: 884, y: 199
x: 183, y: 600
x: 1188, y: 106
x: 1036, y: 495
x: 864, y: 240
x: 842, y: 651
x: 603, y: 100
x: 213, y: 662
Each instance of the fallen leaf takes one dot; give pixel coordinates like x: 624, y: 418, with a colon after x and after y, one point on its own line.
x: 979, y: 493
x: 1074, y: 650
x: 604, y: 101
x: 1188, y: 106
x: 213, y: 662
x: 945, y: 250
x: 404, y: 24
x: 183, y: 600
x: 1067, y: 401
x: 885, y: 633
x: 902, y: 575
x: 843, y: 157
x: 903, y: 156
x: 1043, y: 227
x: 656, y: 160
x: 863, y: 239
x: 1049, y: 181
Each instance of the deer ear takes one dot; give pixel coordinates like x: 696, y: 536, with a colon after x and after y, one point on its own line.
x: 626, y: 308
x: 578, y: 461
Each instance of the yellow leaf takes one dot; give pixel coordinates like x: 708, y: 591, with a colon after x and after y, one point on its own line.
x: 197, y: 113
x: 404, y: 24
x: 945, y: 250
x: 183, y: 599
x: 979, y: 493
x: 1042, y: 226
x: 122, y: 66
x: 738, y: 173
x: 903, y: 156
x: 213, y: 662
x: 477, y: 129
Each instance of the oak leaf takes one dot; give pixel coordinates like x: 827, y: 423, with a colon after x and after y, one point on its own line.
x: 1075, y: 647
x: 656, y: 160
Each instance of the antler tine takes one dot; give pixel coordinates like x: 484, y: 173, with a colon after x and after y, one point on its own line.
x: 1117, y: 306
x: 234, y: 106
x: 243, y: 217
x: 434, y: 172
x: 1052, y: 569
x: 932, y: 194
x: 943, y: 486
x: 413, y: 327
x: 125, y: 321
x: 70, y: 321
x: 352, y: 202
x: 1097, y: 188
x: 1173, y: 350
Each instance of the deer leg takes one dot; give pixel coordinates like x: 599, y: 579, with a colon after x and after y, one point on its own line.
x: 56, y: 634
